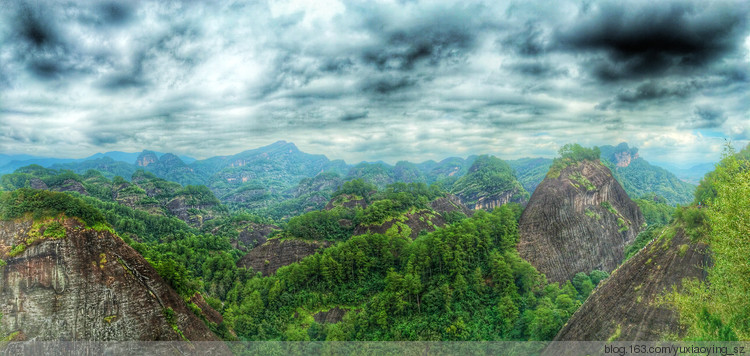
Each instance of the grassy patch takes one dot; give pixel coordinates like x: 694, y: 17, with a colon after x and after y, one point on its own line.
x: 616, y: 334
x: 169, y: 316
x: 622, y: 225
x: 582, y: 181
x: 609, y: 207
x: 54, y: 230
x: 592, y: 214
x: 17, y: 250
x: 683, y: 249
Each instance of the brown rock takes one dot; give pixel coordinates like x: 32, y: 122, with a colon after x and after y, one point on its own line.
x: 276, y: 253
x: 253, y: 235
x: 89, y: 285
x: 449, y: 203
x: 71, y: 185
x: 578, y: 222
x: 625, y: 304
x: 209, y: 313
x: 36, y: 183
x: 330, y: 316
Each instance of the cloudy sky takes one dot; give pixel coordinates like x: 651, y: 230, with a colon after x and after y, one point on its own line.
x: 364, y: 80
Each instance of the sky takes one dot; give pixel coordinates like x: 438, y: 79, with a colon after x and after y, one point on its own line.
x: 374, y: 80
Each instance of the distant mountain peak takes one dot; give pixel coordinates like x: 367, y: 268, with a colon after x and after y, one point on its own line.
x: 621, y: 155
x: 146, y: 158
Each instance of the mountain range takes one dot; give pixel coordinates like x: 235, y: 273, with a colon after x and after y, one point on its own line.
x: 261, y: 178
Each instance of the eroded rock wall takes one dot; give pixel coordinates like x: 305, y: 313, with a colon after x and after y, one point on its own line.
x: 580, y: 221
x: 87, y: 285
x: 625, y: 308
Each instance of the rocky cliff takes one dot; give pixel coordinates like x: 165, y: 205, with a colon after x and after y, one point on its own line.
x: 624, y: 307
x: 62, y: 281
x: 449, y: 204
x: 490, y: 183
x: 146, y: 158
x: 276, y: 253
x: 578, y: 221
x: 252, y: 235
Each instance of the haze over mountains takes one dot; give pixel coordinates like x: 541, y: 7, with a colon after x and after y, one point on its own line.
x: 274, y: 170
x: 370, y: 247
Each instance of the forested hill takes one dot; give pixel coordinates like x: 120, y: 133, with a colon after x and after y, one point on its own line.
x: 640, y: 178
x: 464, y: 281
x: 275, y: 180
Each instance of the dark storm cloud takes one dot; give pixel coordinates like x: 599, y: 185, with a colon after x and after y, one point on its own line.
x: 41, y: 47
x: 652, y: 91
x: 387, y: 84
x: 218, y: 78
x: 337, y: 65
x: 105, y: 14
x: 536, y: 69
x: 355, y: 116
x: 448, y: 36
x: 705, y: 118
x: 640, y: 39
x: 528, y: 41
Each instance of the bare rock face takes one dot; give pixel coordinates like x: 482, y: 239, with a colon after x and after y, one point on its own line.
x: 209, y: 313
x: 623, y: 159
x: 578, y: 222
x: 193, y: 214
x: 71, y: 185
x: 85, y: 285
x: 448, y: 204
x: 253, y: 235
x: 624, y: 308
x: 146, y: 158
x: 330, y: 316
x: 37, y: 183
x: 276, y: 253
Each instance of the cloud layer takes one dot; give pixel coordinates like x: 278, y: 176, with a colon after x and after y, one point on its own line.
x: 363, y: 80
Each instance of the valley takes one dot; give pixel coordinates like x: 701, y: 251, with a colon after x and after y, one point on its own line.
x: 278, y: 244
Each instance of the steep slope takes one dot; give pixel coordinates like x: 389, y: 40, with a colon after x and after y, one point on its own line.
x: 277, y: 253
x: 624, y: 307
x: 63, y: 281
x: 578, y: 220
x: 489, y: 183
x: 640, y: 178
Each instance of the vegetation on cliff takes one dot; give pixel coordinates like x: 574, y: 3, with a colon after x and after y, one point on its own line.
x: 640, y: 178
x: 718, y: 308
x: 569, y: 154
x: 492, y: 178
x: 463, y: 282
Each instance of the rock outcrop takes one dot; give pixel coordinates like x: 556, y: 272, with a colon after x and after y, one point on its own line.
x: 74, y: 283
x: 252, y: 235
x: 578, y: 222
x: 624, y: 307
x: 449, y: 204
x: 330, y: 316
x: 490, y: 183
x: 146, y: 158
x: 71, y: 185
x: 276, y: 253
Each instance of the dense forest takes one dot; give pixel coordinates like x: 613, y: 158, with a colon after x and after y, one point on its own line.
x: 398, y: 264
